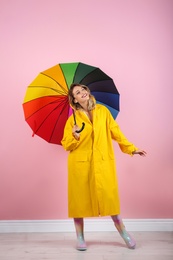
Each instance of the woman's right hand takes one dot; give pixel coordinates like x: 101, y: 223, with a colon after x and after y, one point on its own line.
x: 74, y: 133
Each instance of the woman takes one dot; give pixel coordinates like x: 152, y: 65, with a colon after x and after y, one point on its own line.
x: 92, y: 181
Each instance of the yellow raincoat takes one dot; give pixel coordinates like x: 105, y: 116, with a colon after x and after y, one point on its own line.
x: 92, y: 181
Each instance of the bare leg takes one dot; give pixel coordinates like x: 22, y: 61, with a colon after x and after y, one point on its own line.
x: 130, y: 242
x: 79, y: 226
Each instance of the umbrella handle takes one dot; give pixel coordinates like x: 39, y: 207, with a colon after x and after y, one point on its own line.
x: 83, y: 124
x: 82, y: 128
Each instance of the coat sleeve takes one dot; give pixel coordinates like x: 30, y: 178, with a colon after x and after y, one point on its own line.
x: 68, y: 141
x: 119, y: 137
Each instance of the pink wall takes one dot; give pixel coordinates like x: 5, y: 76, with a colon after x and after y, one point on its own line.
x: 130, y: 40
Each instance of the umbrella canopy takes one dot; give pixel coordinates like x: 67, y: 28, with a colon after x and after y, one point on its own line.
x: 46, y: 107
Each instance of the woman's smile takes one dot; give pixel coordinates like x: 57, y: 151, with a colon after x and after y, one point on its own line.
x: 85, y: 95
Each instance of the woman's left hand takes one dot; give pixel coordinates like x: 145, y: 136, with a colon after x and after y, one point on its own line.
x: 140, y: 152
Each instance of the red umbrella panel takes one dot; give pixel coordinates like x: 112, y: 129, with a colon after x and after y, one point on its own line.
x: 46, y: 107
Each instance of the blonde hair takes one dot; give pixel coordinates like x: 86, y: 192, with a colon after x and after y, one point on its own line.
x: 77, y: 106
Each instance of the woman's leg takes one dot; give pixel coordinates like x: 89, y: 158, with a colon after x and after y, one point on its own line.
x: 79, y: 226
x: 130, y: 242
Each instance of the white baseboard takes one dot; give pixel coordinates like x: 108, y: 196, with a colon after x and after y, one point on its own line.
x: 95, y: 224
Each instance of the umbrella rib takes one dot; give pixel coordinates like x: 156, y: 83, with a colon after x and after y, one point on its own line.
x: 96, y: 68
x: 58, y: 119
x: 57, y: 91
x: 105, y: 90
x: 48, y: 114
x: 45, y: 106
x: 55, y: 81
x: 99, y: 81
x: 76, y: 72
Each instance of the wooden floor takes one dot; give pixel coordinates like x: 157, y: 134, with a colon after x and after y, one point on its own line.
x: 101, y: 246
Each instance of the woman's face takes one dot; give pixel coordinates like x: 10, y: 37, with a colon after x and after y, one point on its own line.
x: 80, y: 94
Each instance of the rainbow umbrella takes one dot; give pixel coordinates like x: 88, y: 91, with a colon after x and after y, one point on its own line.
x: 46, y: 107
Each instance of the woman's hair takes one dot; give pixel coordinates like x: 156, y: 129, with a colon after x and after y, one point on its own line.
x: 77, y: 106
